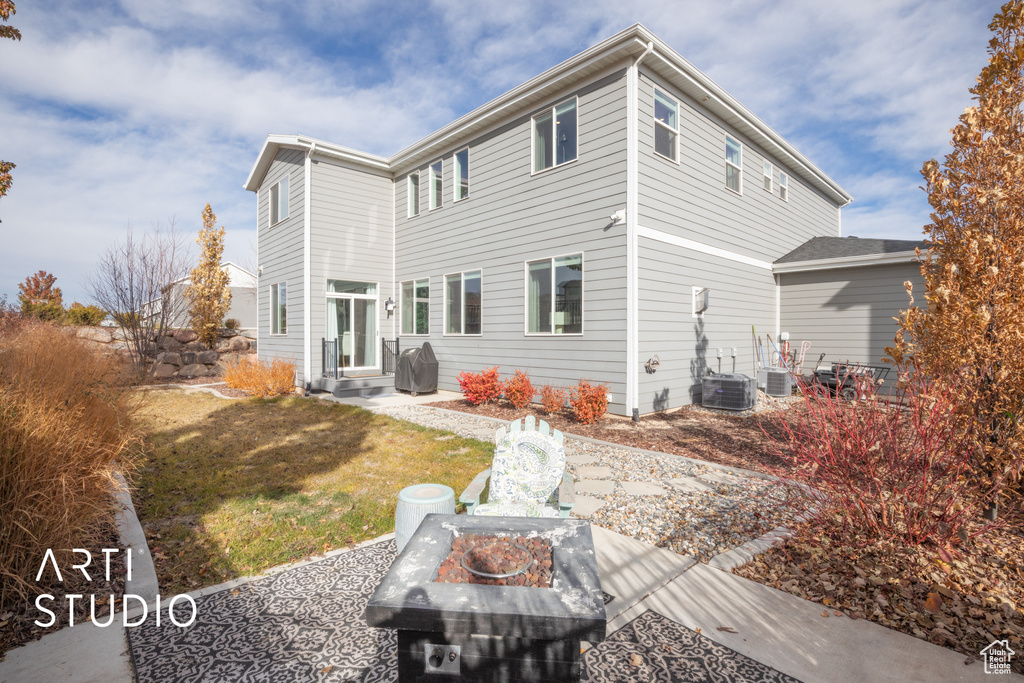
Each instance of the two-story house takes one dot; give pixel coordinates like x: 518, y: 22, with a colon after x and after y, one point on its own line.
x: 567, y: 228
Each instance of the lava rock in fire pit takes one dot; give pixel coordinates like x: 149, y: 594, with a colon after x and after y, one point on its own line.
x: 473, y: 556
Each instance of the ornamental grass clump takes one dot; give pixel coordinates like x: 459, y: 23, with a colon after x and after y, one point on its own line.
x: 265, y: 379
x: 875, y: 471
x: 65, y: 413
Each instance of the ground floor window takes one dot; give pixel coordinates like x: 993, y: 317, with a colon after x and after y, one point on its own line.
x: 352, y: 322
x: 554, y: 295
x: 463, y: 303
x: 279, y: 308
x: 415, y: 310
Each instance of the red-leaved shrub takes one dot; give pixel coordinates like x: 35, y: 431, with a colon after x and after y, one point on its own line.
x: 480, y: 387
x: 518, y: 390
x: 589, y: 401
x: 873, y: 470
x: 552, y: 399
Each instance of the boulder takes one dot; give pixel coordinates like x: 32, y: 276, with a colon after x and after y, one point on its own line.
x: 217, y: 369
x: 194, y: 370
x: 222, y: 345
x: 188, y: 358
x: 228, y: 333
x: 196, y: 346
x: 249, y: 333
x: 169, y: 358
x: 207, y: 357
x: 168, y: 344
x: 95, y: 334
x: 186, y: 336
x: 163, y: 371
x: 239, y: 344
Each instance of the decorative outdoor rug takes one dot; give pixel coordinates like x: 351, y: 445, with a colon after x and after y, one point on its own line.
x: 304, y: 624
x: 655, y: 648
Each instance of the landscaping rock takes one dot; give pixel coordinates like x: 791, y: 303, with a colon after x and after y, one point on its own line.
x: 248, y: 333
x: 194, y: 370
x: 222, y: 345
x: 228, y: 333
x: 169, y: 344
x: 188, y: 358
x: 94, y: 334
x: 196, y: 346
x: 164, y: 371
x: 207, y: 357
x: 169, y: 358
x: 186, y: 336
x: 239, y: 344
x: 217, y: 369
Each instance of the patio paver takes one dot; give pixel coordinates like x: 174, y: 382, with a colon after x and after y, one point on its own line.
x: 642, y: 488
x: 586, y: 505
x: 598, y: 486
x: 595, y: 472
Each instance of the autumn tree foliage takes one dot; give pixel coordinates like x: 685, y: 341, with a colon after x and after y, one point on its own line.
x: 39, y: 298
x: 970, y: 332
x: 6, y: 10
x: 208, y: 294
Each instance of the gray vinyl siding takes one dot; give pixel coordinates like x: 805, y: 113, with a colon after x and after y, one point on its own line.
x: 351, y: 238
x: 690, y: 199
x: 281, y: 257
x: 741, y: 296
x: 513, y: 216
x: 847, y: 313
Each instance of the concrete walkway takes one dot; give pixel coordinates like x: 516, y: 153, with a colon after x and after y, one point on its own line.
x: 775, y: 628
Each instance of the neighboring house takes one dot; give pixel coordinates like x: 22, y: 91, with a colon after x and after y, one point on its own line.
x: 563, y: 228
x: 243, y: 298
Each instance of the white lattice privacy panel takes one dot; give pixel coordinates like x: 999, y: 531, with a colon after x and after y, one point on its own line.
x: 415, y: 503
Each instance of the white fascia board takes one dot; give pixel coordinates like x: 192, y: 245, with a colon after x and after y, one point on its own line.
x: 275, y: 142
x: 667, y: 238
x: 845, y: 262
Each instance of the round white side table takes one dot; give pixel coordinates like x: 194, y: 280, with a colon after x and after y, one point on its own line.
x: 415, y: 503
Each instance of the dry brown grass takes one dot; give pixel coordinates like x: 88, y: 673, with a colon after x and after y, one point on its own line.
x: 64, y: 429
x: 264, y: 379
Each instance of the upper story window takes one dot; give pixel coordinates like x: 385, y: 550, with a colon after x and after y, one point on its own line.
x: 462, y: 303
x: 279, y: 308
x: 414, y: 194
x: 279, y: 201
x: 767, y: 179
x: 666, y: 125
x: 554, y: 136
x: 436, y: 176
x: 415, y: 309
x: 554, y: 295
x: 783, y: 187
x: 733, y: 165
x: 461, y: 174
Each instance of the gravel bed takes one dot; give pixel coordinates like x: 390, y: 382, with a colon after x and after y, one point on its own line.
x: 698, y: 523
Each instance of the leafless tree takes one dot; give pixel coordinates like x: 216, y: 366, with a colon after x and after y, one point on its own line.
x: 134, y: 280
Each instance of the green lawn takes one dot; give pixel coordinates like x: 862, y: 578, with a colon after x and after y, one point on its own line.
x: 230, y: 488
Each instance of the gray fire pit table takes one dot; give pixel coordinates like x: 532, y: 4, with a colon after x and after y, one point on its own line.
x: 471, y: 632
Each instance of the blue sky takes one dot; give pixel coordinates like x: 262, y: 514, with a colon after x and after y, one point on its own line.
x: 142, y: 111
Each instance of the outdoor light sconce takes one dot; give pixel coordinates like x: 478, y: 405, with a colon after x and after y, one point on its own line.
x: 389, y: 306
x: 651, y: 366
x: 617, y: 217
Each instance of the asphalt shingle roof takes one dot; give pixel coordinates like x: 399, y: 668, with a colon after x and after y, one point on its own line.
x: 840, y: 247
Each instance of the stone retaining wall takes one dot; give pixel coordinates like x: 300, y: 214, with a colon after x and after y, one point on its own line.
x: 179, y: 352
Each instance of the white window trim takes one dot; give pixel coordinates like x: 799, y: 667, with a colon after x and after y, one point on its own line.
x: 444, y: 303
x: 271, y: 306
x: 784, y: 187
x: 768, y: 171
x: 664, y: 125
x: 533, y: 136
x: 526, y: 296
x: 287, y: 201
x: 431, y: 176
x: 457, y: 180
x: 376, y: 307
x: 400, y: 308
x: 729, y: 163
x: 410, y: 198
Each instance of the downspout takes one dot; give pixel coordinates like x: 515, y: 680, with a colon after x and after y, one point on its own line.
x: 307, y: 339
x: 632, y: 216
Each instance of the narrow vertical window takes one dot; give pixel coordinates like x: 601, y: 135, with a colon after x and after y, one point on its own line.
x: 666, y: 125
x: 462, y: 174
x: 768, y: 176
x: 783, y: 187
x: 436, y: 183
x: 463, y: 305
x: 414, y: 195
x: 733, y: 165
x: 279, y: 308
x: 279, y: 201
x: 415, y: 309
x: 555, y: 136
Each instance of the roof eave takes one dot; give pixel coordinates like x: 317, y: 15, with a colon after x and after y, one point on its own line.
x: 845, y: 262
x: 275, y: 142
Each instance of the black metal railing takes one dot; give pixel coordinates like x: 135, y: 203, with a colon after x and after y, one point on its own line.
x: 329, y: 358
x: 388, y: 356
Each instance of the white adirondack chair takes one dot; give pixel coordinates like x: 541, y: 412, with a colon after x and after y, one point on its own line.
x: 527, y: 475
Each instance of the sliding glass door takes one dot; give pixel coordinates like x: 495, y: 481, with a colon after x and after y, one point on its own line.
x: 352, y: 320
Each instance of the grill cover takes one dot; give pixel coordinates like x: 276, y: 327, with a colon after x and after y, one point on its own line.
x: 417, y: 370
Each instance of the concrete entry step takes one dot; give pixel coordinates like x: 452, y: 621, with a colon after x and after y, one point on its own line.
x: 345, y: 387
